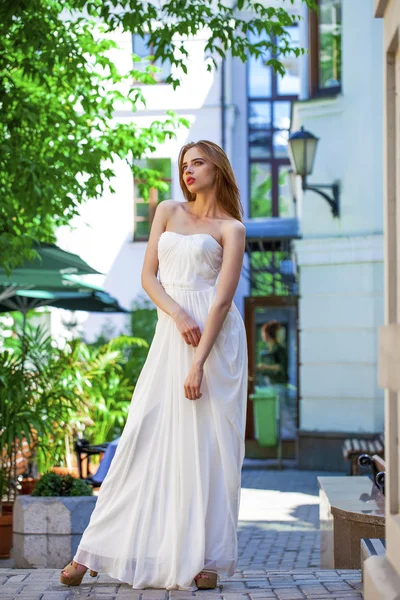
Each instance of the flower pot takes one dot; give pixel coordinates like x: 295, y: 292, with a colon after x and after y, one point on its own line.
x: 28, y: 485
x: 7, y: 508
x: 6, y: 535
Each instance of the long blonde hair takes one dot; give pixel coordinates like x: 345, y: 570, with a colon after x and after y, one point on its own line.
x: 228, y: 195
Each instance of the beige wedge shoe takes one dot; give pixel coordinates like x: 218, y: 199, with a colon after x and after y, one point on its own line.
x: 75, y: 576
x: 209, y: 582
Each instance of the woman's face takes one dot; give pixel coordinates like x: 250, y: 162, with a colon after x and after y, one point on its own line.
x: 198, y: 171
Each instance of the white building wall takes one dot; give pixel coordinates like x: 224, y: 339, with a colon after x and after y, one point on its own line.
x: 103, y: 233
x: 341, y: 260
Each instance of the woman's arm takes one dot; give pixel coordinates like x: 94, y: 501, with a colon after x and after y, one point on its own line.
x: 234, y: 239
x: 188, y: 328
x: 264, y: 367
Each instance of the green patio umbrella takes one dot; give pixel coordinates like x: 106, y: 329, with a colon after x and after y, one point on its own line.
x: 24, y: 298
x: 53, y: 258
x: 50, y: 270
x: 71, y: 293
x: 91, y: 300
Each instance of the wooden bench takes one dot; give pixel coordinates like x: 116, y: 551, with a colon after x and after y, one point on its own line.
x: 351, y: 508
x: 353, y: 448
x: 378, y: 469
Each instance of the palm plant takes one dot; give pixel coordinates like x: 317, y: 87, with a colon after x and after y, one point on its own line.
x: 51, y: 394
x: 24, y: 417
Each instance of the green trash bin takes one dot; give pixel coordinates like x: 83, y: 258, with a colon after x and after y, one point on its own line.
x: 265, y: 415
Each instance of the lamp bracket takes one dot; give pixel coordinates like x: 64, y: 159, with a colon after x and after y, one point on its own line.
x: 317, y: 188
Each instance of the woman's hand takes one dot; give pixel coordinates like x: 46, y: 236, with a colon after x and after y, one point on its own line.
x: 188, y: 328
x: 193, y: 381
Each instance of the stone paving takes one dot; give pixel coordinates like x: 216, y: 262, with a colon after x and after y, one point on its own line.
x: 279, y: 519
x: 278, y: 554
x: 43, y: 584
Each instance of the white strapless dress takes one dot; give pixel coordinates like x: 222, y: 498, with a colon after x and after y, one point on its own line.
x: 169, y: 504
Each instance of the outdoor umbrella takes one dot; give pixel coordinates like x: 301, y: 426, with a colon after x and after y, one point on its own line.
x: 88, y: 298
x: 53, y: 258
x: 25, y: 298
x: 81, y: 296
x: 47, y: 271
x: 92, y: 302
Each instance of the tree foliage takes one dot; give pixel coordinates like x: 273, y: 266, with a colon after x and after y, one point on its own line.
x: 59, y: 87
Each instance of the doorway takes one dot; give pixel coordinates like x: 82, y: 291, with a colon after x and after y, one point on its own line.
x: 259, y: 311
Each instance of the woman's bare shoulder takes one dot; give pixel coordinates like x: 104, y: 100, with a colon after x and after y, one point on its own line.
x: 169, y: 204
x: 232, y: 227
x: 167, y: 207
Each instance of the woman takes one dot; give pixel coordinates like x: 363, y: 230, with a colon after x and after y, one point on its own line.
x: 167, y: 511
x: 274, y: 357
x: 275, y: 366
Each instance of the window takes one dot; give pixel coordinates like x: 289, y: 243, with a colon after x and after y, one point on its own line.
x: 325, y: 31
x: 141, y: 47
x: 144, y: 209
x: 270, y: 98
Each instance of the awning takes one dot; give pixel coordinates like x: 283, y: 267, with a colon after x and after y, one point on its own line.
x: 270, y: 233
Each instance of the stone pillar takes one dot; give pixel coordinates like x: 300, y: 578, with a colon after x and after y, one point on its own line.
x: 382, y: 573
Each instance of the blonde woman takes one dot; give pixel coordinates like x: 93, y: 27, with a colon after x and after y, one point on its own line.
x: 167, y: 511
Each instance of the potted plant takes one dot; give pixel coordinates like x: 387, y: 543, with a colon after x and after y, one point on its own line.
x: 38, y: 392
x: 50, y: 394
x: 17, y: 420
x: 49, y: 523
x: 26, y: 418
x: 5, y: 522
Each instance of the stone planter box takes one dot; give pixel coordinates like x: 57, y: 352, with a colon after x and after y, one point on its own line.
x: 47, y: 531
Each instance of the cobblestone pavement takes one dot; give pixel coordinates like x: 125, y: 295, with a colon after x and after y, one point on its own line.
x: 278, y: 554
x: 43, y: 584
x: 279, y: 519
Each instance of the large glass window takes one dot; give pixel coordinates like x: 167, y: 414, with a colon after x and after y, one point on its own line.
x: 326, y: 48
x: 145, y: 209
x: 270, y: 98
x: 141, y: 47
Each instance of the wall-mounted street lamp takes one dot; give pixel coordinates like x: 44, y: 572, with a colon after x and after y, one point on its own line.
x: 302, y: 147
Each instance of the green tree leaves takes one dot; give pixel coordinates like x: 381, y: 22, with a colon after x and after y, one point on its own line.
x: 60, y: 86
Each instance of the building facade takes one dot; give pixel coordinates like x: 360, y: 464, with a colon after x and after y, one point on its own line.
x: 320, y: 277
x: 340, y: 260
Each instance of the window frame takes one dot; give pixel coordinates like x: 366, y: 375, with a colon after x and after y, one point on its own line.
x: 152, y: 62
x: 314, y: 88
x: 153, y: 202
x: 275, y: 162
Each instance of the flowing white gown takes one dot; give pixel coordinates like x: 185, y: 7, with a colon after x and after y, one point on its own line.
x: 169, y: 504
